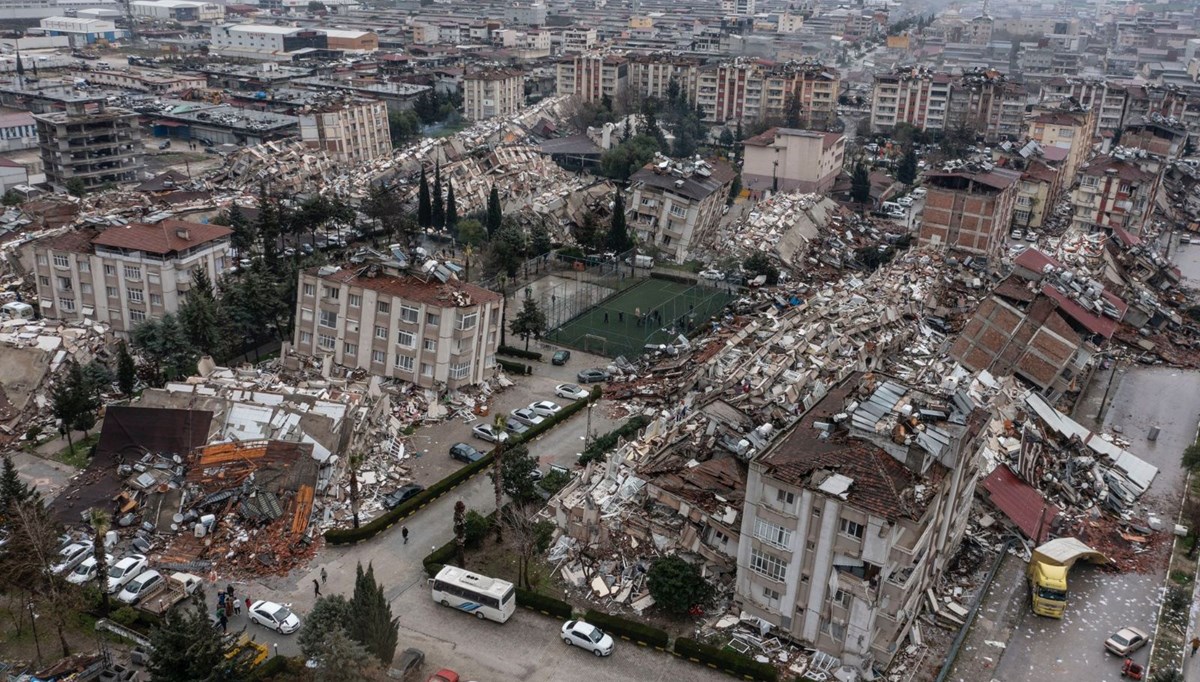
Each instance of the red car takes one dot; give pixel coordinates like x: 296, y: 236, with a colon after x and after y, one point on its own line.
x: 443, y: 675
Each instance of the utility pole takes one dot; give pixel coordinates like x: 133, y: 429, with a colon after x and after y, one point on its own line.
x: 130, y: 20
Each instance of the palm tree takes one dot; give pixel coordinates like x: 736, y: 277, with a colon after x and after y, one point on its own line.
x: 101, y: 522
x: 500, y: 424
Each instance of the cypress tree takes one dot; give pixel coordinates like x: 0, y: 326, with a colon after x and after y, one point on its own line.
x: 618, y: 233
x: 424, y: 209
x: 373, y: 625
x: 494, y: 216
x: 451, y: 206
x: 439, y: 206
x: 126, y: 372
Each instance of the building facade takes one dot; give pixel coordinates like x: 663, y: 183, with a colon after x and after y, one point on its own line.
x: 349, y: 131
x: 394, y: 323
x: 183, y: 11
x: 492, y: 92
x: 984, y: 101
x: 91, y: 143
x: 592, y: 76
x: 917, y: 97
x: 651, y: 75
x: 969, y: 211
x: 18, y: 130
x: 1066, y: 127
x: 676, y: 203
x: 745, y: 90
x: 1113, y: 192
x: 125, y: 275
x: 788, y: 160
x: 81, y: 31
x: 852, y: 515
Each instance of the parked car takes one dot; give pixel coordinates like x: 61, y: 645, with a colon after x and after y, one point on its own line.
x: 560, y: 357
x: 1017, y: 234
x: 588, y: 637
x: 515, y: 428
x: 165, y: 145
x: 71, y: 556
x: 570, y: 392
x: 905, y: 201
x: 527, y: 416
x: 274, y: 616
x: 1126, y: 641
x: 86, y: 571
x: 918, y: 192
x: 408, y: 664
x: 141, y: 585
x: 125, y: 570
x: 489, y: 433
x: 715, y: 275
x: 465, y: 453
x: 401, y: 495
x: 444, y: 675
x: 591, y: 376
x: 545, y: 408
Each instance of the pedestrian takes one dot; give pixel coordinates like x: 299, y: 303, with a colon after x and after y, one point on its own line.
x: 229, y: 608
x: 223, y: 622
x: 404, y: 533
x: 324, y: 575
x: 621, y: 316
x: 237, y: 607
x: 317, y: 588
x: 247, y: 605
x: 605, y: 317
x: 1195, y: 645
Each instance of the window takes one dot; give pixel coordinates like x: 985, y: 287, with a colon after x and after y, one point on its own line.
x: 85, y: 288
x: 842, y: 599
x: 328, y: 318
x: 41, y: 260
x: 380, y: 332
x: 405, y: 339
x: 383, y: 307
x: 409, y: 314
x: 350, y: 349
x: 467, y: 321
x: 133, y: 272
x: 112, y: 292
x: 333, y: 292
x: 108, y: 269
x: 156, y: 299
x: 134, y: 295
x: 426, y: 369
x: 66, y: 304
x: 771, y: 598
x: 326, y: 342
x: 785, y: 498
x: 377, y: 356
x: 305, y: 337
x: 136, y: 316
x: 84, y: 266
x: 404, y: 362
x: 310, y: 290
x: 834, y: 630
x: 430, y: 345
x: 765, y: 564
x: 851, y: 528
x: 355, y: 301
x: 65, y: 283
x: 61, y: 261
x: 43, y: 280
x: 771, y: 534
x: 432, y: 320
x: 460, y: 370
x: 1089, y: 181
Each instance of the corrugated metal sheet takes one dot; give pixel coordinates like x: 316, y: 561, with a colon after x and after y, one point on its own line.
x: 1020, y: 502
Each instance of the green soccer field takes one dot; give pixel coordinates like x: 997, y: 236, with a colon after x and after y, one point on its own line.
x: 612, y: 328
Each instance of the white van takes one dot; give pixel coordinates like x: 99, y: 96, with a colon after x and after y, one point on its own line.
x: 16, y: 310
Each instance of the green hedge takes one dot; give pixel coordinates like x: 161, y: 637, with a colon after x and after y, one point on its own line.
x: 275, y: 665
x: 565, y: 413
x: 520, y: 353
x: 602, y: 444
x: 628, y: 629
x: 547, y: 605
x: 518, y: 368
x: 435, y: 560
x: 723, y: 659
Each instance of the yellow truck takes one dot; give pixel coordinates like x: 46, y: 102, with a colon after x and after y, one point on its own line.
x: 1047, y: 573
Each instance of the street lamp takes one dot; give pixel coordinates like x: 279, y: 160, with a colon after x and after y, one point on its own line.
x: 33, y: 623
x: 587, y: 438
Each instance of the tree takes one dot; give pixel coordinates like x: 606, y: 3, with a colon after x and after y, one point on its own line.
x: 792, y: 114
x: 187, y: 648
x: 330, y: 613
x: 438, y: 211
x: 74, y: 402
x: 760, y: 264
x: 460, y: 532
x: 315, y: 6
x: 451, y: 206
x: 529, y: 535
x: 243, y: 236
x: 268, y: 227
x: 588, y: 232
x: 1191, y: 457
x: 677, y: 586
x: 75, y: 187
x: 203, y: 318
x: 25, y: 565
x: 530, y: 322
x: 471, y: 231
x: 495, y: 217
x: 508, y: 248
x: 403, y: 126
x: 126, y: 371
x: 517, y: 475
x: 1168, y: 674
x: 424, y: 208
x: 500, y: 423
x: 726, y: 139
x: 373, y: 625
x: 98, y: 376
x: 164, y: 346
x: 341, y: 659
x: 540, y: 241
x: 735, y: 190
x: 625, y: 159
x: 860, y: 185
x: 12, y: 198
x: 906, y: 172
x: 13, y: 491
x: 618, y: 235
x: 100, y: 522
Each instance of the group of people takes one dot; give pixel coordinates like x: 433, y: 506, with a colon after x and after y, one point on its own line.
x: 228, y: 606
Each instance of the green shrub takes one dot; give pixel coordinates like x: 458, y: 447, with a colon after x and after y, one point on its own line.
x: 439, y: 557
x: 477, y: 527
x: 519, y: 353
x: 275, y: 665
x: 517, y: 368
x: 628, y: 629
x: 543, y: 533
x: 554, y: 481
x: 723, y: 659
x: 602, y: 444
x: 125, y: 615
x: 540, y: 602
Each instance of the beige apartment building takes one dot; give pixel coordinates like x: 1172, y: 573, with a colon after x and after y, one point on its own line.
x: 1066, y: 127
x: 1113, y: 192
x: 350, y: 131
x: 492, y: 92
x: 125, y: 275
x: 676, y: 202
x: 914, y: 96
x: 852, y: 515
x: 650, y: 75
x: 591, y: 76
x: 982, y: 100
x: 396, y: 323
x: 787, y: 160
x: 747, y: 90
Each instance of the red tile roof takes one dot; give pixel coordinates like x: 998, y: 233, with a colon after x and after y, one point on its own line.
x: 1020, y: 502
x: 1032, y: 259
x: 163, y: 238
x: 1097, y: 324
x: 77, y: 241
x: 432, y: 292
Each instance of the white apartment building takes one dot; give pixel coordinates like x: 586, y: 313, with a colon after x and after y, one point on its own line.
x: 676, y: 203
x: 578, y: 40
x: 592, y: 76
x: 788, y: 160
x: 920, y: 99
x: 852, y: 515
x: 124, y: 275
x: 350, y: 131
x: 492, y: 92
x: 396, y: 323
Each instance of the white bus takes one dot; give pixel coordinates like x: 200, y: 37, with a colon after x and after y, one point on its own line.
x: 485, y: 597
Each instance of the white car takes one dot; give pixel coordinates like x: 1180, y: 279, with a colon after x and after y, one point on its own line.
x: 71, y: 556
x: 715, y: 275
x: 545, y: 408
x: 588, y: 637
x: 274, y: 616
x: 125, y: 570
x: 140, y: 586
x: 489, y: 433
x: 526, y: 416
x: 905, y: 201
x: 86, y: 571
x: 570, y: 391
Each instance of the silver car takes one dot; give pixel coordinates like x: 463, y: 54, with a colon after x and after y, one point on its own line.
x: 489, y: 433
x: 527, y: 416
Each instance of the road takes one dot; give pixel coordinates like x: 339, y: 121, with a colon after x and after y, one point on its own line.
x: 1100, y: 601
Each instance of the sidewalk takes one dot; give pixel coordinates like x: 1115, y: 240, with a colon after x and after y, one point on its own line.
x: 999, y: 612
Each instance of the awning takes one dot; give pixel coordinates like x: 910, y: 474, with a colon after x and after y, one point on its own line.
x: 46, y: 304
x: 88, y: 310
x: 1065, y: 552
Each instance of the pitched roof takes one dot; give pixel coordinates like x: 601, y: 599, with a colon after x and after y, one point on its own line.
x: 166, y: 237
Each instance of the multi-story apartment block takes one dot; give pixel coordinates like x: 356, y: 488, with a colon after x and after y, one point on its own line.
x: 351, y: 131
x: 591, y: 76
x: 914, y: 96
x: 92, y: 143
x: 492, y: 92
x: 744, y: 90
x: 578, y: 40
x: 1113, y: 192
x: 124, y: 275
x: 1066, y: 127
x: 1109, y: 100
x: 741, y: 8
x: 675, y: 204
x: 396, y: 322
x: 787, y: 160
x: 969, y: 210
x: 1037, y: 195
x: 650, y: 75
x: 982, y: 100
x: 853, y: 514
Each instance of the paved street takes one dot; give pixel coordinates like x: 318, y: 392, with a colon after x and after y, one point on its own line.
x: 47, y: 475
